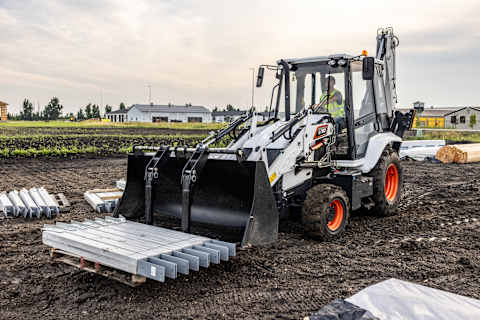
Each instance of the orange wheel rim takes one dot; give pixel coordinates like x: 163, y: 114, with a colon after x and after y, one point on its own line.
x: 391, y: 182
x: 337, y: 220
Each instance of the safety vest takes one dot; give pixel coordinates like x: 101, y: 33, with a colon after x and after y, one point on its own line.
x: 335, y: 109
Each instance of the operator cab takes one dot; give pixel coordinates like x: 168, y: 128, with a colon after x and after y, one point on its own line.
x: 340, y: 86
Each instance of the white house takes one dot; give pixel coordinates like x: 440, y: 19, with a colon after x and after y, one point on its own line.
x: 163, y: 113
x: 463, y: 118
x: 117, y: 115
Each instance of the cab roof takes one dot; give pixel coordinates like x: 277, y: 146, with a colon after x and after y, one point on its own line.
x: 318, y: 58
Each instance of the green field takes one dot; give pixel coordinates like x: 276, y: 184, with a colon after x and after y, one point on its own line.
x: 29, y: 139
x: 70, y: 145
x: 99, y: 124
x: 448, y: 135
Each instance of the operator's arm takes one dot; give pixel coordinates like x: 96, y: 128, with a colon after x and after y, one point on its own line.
x: 338, y: 97
x: 321, y: 107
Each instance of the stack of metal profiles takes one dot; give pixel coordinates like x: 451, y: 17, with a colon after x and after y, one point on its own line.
x: 29, y: 203
x: 136, y: 248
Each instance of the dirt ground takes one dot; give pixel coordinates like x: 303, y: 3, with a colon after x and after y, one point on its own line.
x: 286, y: 281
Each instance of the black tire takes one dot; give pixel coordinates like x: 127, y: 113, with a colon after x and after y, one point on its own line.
x: 320, y: 217
x: 385, y: 195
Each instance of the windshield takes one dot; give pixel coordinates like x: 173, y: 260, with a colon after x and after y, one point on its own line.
x: 362, y: 93
x: 311, y: 84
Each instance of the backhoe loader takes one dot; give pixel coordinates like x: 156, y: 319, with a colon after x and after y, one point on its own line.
x: 299, y: 160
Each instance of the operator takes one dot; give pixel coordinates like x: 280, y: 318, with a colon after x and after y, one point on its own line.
x: 334, y: 105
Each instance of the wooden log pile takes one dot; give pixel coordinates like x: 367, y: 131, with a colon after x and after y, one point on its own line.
x: 459, y: 153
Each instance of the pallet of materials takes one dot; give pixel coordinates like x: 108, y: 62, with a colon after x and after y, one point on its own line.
x: 103, y: 200
x: 459, y: 153
x: 143, y: 251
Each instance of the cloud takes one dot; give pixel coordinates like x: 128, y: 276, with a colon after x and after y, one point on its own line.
x: 201, y: 51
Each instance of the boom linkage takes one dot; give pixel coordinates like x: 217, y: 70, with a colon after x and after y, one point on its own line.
x: 289, y: 125
x: 231, y: 128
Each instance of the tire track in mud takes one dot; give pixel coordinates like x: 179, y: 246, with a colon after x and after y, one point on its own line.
x: 290, y: 279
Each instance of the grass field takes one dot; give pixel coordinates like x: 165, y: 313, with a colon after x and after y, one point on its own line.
x: 30, y: 139
x: 448, y: 135
x: 99, y: 124
x: 71, y: 145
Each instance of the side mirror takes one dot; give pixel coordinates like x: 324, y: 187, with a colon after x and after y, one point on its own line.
x: 260, y: 73
x: 368, y: 68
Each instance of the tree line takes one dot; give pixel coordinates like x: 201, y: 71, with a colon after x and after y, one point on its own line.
x: 229, y: 107
x: 53, y: 111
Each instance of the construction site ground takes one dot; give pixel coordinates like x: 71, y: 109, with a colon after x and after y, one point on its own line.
x: 433, y: 240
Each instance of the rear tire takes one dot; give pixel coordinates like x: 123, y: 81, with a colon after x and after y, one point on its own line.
x: 325, y: 212
x: 387, y: 183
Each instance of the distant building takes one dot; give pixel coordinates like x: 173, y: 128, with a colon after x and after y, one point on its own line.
x: 117, y: 115
x: 161, y: 113
x: 445, y: 118
x: 3, y: 111
x: 431, y: 118
x: 419, y: 106
x: 463, y: 118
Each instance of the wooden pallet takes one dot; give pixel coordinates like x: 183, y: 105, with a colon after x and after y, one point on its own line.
x: 131, y: 280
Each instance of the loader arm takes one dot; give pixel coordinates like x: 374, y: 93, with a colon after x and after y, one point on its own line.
x: 217, y: 136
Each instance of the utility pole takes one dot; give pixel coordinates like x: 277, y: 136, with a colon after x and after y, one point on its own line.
x: 253, y: 85
x: 149, y: 93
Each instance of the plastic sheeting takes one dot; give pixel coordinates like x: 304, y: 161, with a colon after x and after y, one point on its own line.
x: 420, y: 150
x: 408, y: 144
x: 341, y: 310
x: 398, y: 300
x: 420, y: 153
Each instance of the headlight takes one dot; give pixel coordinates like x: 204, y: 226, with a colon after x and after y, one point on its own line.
x: 342, y: 62
x: 332, y: 63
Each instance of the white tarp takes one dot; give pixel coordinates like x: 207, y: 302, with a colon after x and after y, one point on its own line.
x: 409, y: 144
x: 420, y: 149
x: 420, y: 153
x: 394, y: 299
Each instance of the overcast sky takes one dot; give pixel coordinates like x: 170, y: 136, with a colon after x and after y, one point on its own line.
x: 201, y: 51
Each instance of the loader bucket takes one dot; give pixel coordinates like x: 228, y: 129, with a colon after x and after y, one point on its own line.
x: 228, y: 193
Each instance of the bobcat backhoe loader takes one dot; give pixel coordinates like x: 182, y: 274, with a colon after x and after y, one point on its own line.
x: 295, y: 160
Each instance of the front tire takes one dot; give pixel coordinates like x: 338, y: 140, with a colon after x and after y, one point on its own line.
x: 387, y: 183
x: 325, y: 212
